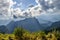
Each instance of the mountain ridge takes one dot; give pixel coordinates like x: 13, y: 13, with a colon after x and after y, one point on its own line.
x: 30, y: 24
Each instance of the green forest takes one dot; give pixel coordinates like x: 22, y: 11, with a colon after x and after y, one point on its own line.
x: 22, y: 34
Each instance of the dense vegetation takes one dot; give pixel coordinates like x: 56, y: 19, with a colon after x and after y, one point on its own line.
x: 21, y: 34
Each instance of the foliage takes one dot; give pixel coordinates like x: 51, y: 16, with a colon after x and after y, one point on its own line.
x: 21, y: 34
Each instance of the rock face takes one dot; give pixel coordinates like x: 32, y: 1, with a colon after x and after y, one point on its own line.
x: 30, y: 24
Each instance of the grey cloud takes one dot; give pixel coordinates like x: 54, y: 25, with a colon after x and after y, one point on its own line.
x: 49, y: 4
x: 56, y: 4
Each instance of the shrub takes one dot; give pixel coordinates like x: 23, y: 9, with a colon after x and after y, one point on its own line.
x: 18, y: 32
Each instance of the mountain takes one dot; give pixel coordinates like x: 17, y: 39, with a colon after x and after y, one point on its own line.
x: 4, y: 22
x: 3, y: 29
x: 48, y: 18
x: 30, y: 24
x: 55, y: 25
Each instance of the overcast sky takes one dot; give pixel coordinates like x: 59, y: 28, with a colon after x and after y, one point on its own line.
x: 49, y: 9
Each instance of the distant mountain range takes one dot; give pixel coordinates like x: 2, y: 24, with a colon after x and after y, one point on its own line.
x: 55, y: 25
x: 30, y: 24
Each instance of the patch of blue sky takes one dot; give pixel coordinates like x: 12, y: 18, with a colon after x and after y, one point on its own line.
x: 25, y: 3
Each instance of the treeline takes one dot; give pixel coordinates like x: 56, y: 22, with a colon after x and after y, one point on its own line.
x: 22, y: 34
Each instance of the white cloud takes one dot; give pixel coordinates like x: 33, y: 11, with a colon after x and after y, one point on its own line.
x: 37, y: 1
x: 5, y: 6
x: 17, y: 12
x: 32, y: 11
x: 6, y: 10
x: 11, y: 3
